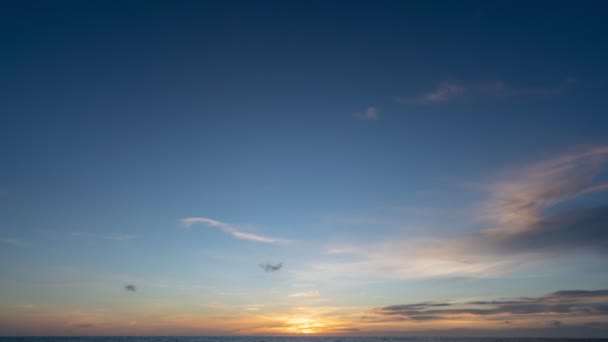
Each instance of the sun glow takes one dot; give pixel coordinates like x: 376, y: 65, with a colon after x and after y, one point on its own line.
x: 304, y: 326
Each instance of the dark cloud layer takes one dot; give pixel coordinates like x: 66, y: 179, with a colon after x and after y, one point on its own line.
x: 268, y: 267
x: 416, y: 306
x: 569, y: 302
x: 558, y: 233
x: 573, y: 229
x: 576, y: 294
x: 542, y: 208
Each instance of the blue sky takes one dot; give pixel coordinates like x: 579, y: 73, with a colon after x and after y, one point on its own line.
x: 371, y: 154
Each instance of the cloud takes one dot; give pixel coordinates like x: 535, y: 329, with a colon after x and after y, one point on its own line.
x: 229, y: 229
x: 307, y: 294
x: 532, y: 214
x: 418, y: 306
x: 554, y: 297
x: 524, y: 210
x: 371, y: 114
x: 565, y: 304
x: 253, y: 307
x: 83, y: 325
x: 268, y: 267
x: 130, y: 288
x: 448, y: 91
x: 563, y: 232
x: 516, y: 203
x: 573, y: 295
x: 443, y: 92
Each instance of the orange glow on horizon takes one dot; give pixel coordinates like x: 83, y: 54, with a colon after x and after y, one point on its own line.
x: 301, y: 325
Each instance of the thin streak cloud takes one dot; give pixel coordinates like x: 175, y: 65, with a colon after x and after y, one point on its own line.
x: 188, y: 222
x: 307, y: 294
x: 449, y: 91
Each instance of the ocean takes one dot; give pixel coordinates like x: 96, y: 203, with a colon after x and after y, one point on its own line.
x: 301, y: 338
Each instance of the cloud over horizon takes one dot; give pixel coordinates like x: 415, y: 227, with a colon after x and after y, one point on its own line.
x: 560, y: 304
x: 525, y: 225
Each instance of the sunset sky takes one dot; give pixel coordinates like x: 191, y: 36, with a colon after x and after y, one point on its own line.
x: 304, y: 167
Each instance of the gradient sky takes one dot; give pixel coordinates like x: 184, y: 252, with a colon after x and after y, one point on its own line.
x: 328, y: 167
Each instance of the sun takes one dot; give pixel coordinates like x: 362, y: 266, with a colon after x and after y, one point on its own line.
x: 304, y: 326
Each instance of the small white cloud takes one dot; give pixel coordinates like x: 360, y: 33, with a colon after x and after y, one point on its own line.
x: 253, y: 307
x: 188, y: 222
x: 307, y: 294
x: 371, y: 114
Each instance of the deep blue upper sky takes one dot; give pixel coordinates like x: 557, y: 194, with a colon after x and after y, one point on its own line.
x: 176, y: 93
x: 323, y: 122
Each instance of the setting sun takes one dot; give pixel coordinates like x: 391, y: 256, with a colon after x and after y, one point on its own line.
x: 304, y: 326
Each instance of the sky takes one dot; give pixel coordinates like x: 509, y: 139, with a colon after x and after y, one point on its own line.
x: 304, y: 167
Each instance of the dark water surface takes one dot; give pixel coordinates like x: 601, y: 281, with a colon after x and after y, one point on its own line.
x: 286, y: 339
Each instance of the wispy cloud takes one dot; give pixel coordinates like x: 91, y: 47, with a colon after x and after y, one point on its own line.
x: 448, y: 91
x: 188, y: 222
x: 524, y: 225
x: 268, y: 267
x: 253, y: 307
x: 371, y: 114
x: 516, y: 203
x: 307, y: 294
x: 443, y: 92
x: 130, y: 288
